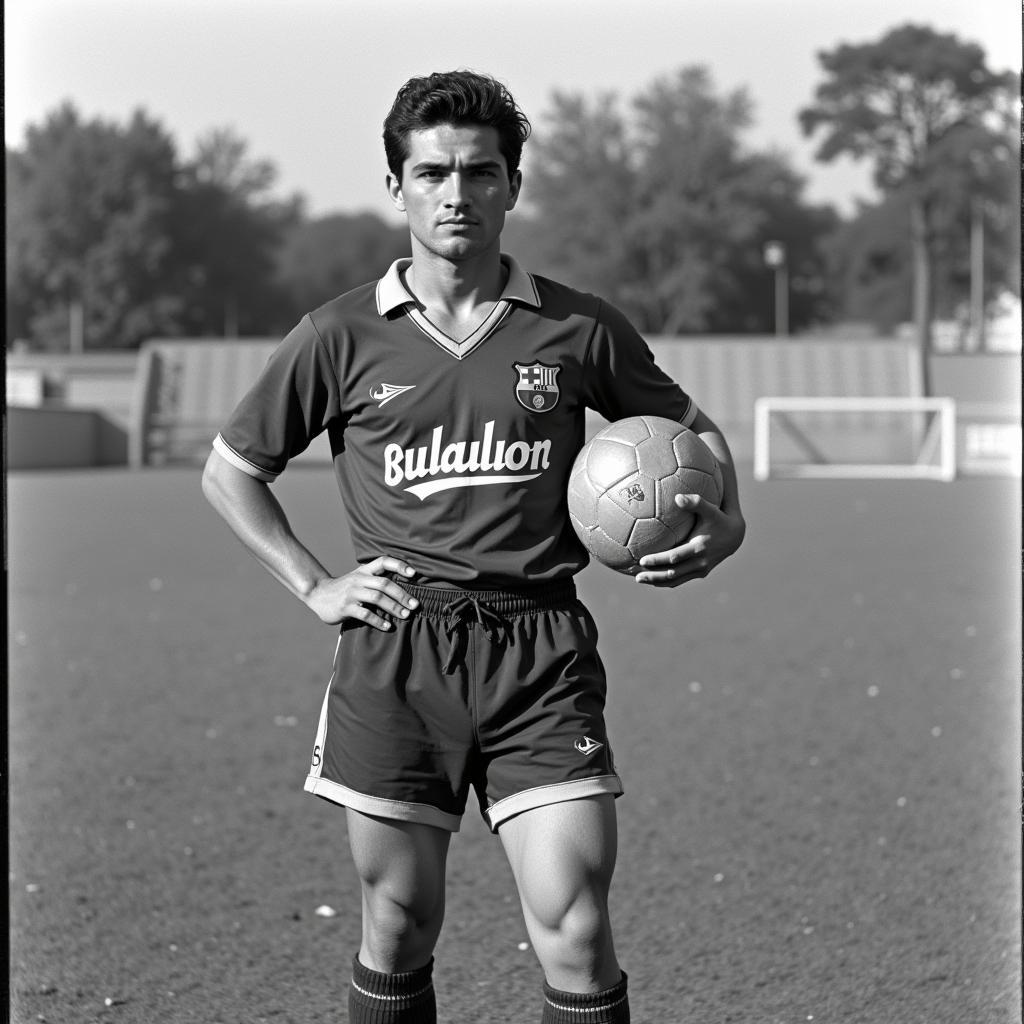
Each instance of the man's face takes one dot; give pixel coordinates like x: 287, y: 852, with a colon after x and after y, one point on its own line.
x: 455, y: 190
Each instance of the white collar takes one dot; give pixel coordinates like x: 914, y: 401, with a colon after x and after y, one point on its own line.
x: 392, y: 293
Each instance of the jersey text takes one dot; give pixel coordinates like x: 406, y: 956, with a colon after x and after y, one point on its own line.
x: 477, y: 463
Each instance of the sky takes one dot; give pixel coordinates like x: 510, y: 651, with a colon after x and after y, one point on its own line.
x: 308, y: 82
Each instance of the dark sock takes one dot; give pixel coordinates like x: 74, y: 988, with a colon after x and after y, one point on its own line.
x: 407, y: 998
x: 610, y: 1006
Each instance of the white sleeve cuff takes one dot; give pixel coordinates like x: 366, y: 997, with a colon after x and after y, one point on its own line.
x: 225, y: 451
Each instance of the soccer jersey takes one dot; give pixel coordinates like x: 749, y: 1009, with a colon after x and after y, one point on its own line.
x: 454, y: 455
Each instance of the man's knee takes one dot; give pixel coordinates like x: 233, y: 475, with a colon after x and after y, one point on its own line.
x: 399, y: 930
x: 566, y: 911
x: 577, y: 921
x: 402, y: 912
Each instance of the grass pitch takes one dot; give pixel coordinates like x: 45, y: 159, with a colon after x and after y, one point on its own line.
x: 820, y: 745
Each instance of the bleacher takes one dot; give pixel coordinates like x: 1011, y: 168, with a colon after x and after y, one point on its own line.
x: 184, y: 390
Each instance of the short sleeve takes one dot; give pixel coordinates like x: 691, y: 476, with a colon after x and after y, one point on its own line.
x: 292, y: 401
x: 621, y: 377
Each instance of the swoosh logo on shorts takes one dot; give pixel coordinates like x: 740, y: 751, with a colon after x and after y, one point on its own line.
x: 585, y: 745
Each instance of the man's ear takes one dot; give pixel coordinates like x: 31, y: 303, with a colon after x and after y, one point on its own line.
x: 514, y: 187
x: 394, y: 187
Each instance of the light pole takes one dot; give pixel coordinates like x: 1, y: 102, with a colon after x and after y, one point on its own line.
x: 987, y: 165
x: 76, y: 326
x: 775, y: 257
x: 977, y: 319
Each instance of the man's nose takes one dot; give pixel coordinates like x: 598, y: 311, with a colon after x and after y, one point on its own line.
x: 457, y: 195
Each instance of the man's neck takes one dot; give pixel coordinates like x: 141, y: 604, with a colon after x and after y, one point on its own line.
x: 456, y: 288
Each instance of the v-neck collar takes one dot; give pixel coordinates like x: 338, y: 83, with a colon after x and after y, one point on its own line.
x: 392, y: 294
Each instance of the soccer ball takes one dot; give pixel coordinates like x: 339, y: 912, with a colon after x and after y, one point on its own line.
x: 623, y: 483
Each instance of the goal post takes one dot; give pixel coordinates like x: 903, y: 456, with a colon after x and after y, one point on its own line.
x: 840, y: 437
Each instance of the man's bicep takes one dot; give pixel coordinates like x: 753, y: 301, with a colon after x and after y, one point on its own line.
x: 229, y: 488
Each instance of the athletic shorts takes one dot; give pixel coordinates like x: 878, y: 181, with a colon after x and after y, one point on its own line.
x: 501, y: 692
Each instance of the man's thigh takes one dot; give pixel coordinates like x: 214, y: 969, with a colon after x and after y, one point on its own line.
x: 559, y: 851
x: 562, y: 858
x: 402, y: 858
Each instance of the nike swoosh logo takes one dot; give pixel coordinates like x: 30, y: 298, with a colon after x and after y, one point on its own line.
x: 383, y: 393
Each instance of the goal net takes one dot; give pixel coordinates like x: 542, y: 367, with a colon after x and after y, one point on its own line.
x: 895, y: 437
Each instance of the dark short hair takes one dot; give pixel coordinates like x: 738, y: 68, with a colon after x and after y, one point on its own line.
x: 457, y: 98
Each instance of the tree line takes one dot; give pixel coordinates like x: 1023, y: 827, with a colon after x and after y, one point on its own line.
x: 655, y: 202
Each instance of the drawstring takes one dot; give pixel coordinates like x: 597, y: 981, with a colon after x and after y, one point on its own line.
x: 454, y: 613
x: 494, y: 610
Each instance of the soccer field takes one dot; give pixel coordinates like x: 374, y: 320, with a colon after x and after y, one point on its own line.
x: 820, y: 746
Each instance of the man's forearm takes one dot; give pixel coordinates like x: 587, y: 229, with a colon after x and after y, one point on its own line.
x: 256, y: 517
x: 709, y: 433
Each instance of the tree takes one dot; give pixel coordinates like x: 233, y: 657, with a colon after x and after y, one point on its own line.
x: 666, y: 212
x: 112, y: 239
x: 89, y: 231
x: 579, y: 193
x: 976, y: 184
x: 228, y: 233
x: 745, y: 297
x: 327, y: 256
x: 869, y: 259
x: 695, y: 206
x: 908, y: 102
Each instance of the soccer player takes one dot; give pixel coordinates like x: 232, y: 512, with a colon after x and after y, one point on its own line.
x: 453, y: 393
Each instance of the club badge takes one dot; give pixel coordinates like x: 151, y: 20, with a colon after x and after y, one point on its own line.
x: 537, y: 386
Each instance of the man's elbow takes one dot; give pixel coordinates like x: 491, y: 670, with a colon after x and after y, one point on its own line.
x: 213, y: 479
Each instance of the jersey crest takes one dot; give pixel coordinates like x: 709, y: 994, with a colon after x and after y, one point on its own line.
x: 537, y: 386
